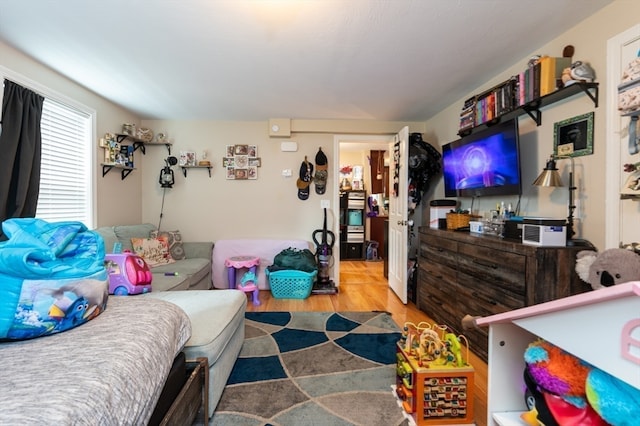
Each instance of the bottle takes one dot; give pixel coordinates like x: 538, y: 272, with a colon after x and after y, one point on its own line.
x: 503, y: 212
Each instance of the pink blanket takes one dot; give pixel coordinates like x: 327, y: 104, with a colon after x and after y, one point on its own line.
x: 266, y: 249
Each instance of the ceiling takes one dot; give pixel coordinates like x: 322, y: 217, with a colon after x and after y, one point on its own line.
x: 251, y: 60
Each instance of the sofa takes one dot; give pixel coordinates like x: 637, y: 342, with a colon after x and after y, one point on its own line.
x: 191, y: 273
x: 216, y: 316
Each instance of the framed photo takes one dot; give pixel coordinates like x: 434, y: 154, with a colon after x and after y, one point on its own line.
x: 241, y: 174
x: 574, y: 137
x: 187, y: 158
x: 241, y: 150
x: 241, y: 162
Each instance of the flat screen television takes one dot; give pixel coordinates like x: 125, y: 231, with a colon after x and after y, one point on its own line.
x: 484, y: 163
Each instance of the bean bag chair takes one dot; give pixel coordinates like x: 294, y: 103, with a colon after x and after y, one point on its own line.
x: 52, y: 277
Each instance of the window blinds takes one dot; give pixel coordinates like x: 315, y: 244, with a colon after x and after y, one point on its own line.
x: 65, y: 180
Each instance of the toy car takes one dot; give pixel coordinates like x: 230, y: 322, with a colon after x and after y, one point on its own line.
x: 128, y: 274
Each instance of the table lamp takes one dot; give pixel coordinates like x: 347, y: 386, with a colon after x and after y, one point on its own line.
x: 551, y: 178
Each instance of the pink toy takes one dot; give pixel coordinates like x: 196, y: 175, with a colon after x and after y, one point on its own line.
x: 128, y: 274
x: 248, y: 283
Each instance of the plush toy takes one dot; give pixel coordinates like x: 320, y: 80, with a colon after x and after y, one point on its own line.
x: 614, y: 400
x: 611, y: 267
x: 570, y: 392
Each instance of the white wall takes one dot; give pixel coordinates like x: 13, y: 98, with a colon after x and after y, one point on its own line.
x: 589, y: 39
x: 204, y: 208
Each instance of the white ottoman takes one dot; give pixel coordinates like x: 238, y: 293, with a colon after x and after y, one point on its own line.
x: 217, y: 331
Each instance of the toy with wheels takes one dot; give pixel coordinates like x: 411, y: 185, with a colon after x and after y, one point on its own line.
x: 128, y: 274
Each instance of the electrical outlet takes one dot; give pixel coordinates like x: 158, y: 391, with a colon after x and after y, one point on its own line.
x: 287, y: 173
x: 325, y: 204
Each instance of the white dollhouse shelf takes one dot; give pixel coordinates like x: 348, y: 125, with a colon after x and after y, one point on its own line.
x: 601, y: 327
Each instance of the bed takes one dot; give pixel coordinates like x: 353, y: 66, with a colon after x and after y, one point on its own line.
x: 108, y: 371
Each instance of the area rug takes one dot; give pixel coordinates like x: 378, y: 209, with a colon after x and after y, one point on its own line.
x: 313, y: 368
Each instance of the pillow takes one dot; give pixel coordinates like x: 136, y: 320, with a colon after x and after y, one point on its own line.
x: 154, y: 251
x: 174, y: 242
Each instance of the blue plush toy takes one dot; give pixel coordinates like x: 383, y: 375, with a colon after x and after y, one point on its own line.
x: 614, y: 400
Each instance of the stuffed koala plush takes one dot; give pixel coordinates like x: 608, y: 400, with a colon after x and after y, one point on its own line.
x: 611, y: 267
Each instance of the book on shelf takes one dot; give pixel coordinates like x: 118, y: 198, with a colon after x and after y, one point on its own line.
x: 551, y: 73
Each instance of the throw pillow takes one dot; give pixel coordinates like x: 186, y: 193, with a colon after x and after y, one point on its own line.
x: 174, y: 242
x: 154, y: 251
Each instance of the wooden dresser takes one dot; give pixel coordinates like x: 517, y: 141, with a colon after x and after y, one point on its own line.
x: 481, y: 275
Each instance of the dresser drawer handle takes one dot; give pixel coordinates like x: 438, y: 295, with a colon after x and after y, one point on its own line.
x: 475, y: 294
x: 488, y: 265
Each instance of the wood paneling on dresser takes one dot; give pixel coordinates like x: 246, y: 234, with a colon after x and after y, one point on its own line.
x: 481, y: 275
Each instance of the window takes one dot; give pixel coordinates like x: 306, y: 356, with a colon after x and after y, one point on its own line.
x: 67, y: 190
x: 65, y: 174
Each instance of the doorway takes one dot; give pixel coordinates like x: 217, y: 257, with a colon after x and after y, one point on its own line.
x: 355, y: 150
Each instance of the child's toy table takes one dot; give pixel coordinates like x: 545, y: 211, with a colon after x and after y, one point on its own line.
x: 238, y: 262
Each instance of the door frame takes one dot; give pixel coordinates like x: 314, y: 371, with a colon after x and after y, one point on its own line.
x: 613, y: 212
x: 364, y: 139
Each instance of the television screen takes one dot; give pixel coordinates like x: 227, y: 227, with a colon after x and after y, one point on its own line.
x: 483, y: 163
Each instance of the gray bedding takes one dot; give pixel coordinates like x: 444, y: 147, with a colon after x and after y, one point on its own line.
x: 108, y: 371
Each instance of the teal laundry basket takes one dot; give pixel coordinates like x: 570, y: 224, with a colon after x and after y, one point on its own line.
x: 291, y: 283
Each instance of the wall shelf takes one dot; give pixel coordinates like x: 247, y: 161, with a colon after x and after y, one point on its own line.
x: 139, y: 143
x: 184, y: 169
x: 532, y: 108
x: 124, y: 170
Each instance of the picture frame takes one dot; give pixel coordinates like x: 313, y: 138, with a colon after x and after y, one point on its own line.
x: 187, y: 158
x: 230, y: 173
x: 241, y: 174
x: 573, y: 137
x: 241, y: 162
x: 241, y: 149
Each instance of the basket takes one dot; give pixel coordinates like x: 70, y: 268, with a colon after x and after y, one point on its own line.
x: 458, y: 220
x: 290, y: 283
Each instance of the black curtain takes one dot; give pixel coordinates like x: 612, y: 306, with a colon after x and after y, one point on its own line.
x: 20, y: 152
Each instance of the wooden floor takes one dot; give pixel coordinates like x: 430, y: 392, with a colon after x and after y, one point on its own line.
x: 363, y: 287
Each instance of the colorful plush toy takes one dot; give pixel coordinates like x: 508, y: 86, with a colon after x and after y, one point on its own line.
x: 557, y: 372
x: 611, y: 267
x: 570, y: 392
x: 614, y: 400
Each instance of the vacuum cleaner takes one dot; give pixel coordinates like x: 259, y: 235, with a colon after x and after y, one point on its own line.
x: 324, y: 259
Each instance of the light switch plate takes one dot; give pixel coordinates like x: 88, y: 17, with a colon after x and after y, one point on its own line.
x: 288, y: 146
